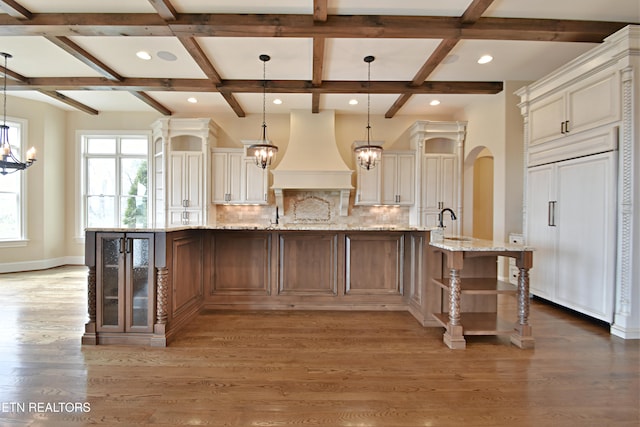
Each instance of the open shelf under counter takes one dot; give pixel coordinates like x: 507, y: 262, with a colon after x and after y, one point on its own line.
x: 479, y: 286
x: 479, y: 323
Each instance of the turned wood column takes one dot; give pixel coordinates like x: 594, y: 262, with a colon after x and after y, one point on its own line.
x: 162, y: 283
x: 522, y: 336
x: 91, y: 294
x: 453, y: 336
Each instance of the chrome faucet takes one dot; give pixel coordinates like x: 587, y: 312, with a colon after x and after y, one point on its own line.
x: 441, y: 214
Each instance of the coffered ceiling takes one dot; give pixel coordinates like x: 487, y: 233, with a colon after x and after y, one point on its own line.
x: 81, y: 54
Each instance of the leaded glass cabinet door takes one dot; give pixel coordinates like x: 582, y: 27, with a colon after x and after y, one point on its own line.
x: 139, y: 282
x: 110, y: 282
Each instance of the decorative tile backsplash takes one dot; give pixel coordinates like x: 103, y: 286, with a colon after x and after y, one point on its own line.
x: 313, y: 207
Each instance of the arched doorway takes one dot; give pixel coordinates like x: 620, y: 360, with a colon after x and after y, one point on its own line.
x: 482, y: 193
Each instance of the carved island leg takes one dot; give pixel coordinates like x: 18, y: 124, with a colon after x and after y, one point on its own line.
x: 453, y: 336
x: 522, y: 337
x: 89, y: 336
x: 162, y: 295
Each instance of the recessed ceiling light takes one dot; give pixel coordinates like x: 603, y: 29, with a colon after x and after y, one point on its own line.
x: 277, y: 101
x: 485, y: 59
x: 192, y: 100
x: 434, y: 102
x: 167, y: 56
x: 143, y: 55
x: 353, y: 102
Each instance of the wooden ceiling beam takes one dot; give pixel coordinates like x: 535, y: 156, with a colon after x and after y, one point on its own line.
x: 69, y: 101
x: 85, y: 57
x: 151, y: 102
x: 254, y: 86
x: 318, y: 66
x: 165, y: 9
x: 319, y: 10
x: 233, y: 103
x: 475, y: 10
x: 15, y: 9
x: 336, y: 26
x: 201, y: 58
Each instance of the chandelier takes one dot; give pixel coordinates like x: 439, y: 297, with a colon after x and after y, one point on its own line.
x: 263, y: 152
x: 10, y: 162
x: 368, y: 155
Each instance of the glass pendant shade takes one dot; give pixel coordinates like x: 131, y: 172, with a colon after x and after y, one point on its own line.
x: 263, y: 152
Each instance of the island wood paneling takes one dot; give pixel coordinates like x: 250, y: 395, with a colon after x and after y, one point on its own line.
x: 374, y: 263
x: 308, y: 263
x: 186, y: 272
x: 241, y: 263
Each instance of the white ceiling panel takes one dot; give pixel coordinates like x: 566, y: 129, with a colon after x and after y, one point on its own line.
x: 252, y: 102
x: 208, y: 102
x: 108, y: 100
x: 511, y: 60
x: 238, y: 58
x: 87, y: 6
x: 396, y: 59
x: 380, y: 103
x: 38, y: 57
x: 597, y: 10
x: 235, y: 6
x: 398, y: 7
x: 119, y: 53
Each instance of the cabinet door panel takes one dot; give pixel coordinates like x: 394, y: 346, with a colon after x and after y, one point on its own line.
x: 234, y: 176
x: 389, y: 167
x: 406, y: 178
x: 193, y: 180
x: 540, y: 234
x: 254, y: 182
x: 110, y: 279
x: 219, y: 173
x: 545, y: 119
x: 139, y: 283
x: 369, y: 186
x: 594, y: 103
x: 448, y: 182
x: 176, y: 181
x: 585, y: 216
x: 431, y: 182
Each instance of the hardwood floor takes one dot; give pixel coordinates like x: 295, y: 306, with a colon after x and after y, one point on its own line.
x: 299, y: 368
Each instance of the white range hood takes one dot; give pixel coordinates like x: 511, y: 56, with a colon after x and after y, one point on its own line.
x: 312, y: 160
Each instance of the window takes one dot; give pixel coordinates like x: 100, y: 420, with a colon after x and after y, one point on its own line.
x: 12, y: 224
x: 115, y: 180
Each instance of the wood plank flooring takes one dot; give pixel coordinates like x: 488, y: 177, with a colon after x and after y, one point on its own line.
x: 304, y: 369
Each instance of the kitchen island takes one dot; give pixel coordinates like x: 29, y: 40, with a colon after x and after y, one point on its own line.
x: 460, y: 251
x: 144, y: 286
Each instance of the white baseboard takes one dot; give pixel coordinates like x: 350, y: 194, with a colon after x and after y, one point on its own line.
x: 43, y: 264
x: 626, y: 333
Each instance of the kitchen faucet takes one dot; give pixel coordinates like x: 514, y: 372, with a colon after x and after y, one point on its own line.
x: 441, y: 214
x: 277, y: 216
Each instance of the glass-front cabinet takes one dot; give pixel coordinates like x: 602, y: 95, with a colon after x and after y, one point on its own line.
x: 125, y: 282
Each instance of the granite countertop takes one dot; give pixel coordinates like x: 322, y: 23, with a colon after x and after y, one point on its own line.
x: 272, y: 227
x: 469, y: 244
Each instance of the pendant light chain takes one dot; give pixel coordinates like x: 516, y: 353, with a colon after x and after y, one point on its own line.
x: 368, y: 156
x: 263, y: 152
x: 4, y: 91
x: 264, y: 101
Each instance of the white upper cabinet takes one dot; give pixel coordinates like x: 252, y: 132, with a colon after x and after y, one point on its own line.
x: 236, y: 178
x: 181, y: 164
x: 439, y: 187
x: 586, y: 105
x: 369, y: 187
x: 398, y: 178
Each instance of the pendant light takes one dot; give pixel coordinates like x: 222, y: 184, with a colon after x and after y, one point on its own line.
x: 10, y: 162
x: 368, y: 155
x: 264, y: 152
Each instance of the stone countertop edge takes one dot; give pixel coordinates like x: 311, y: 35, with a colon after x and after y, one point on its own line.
x: 470, y: 244
x: 258, y: 227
